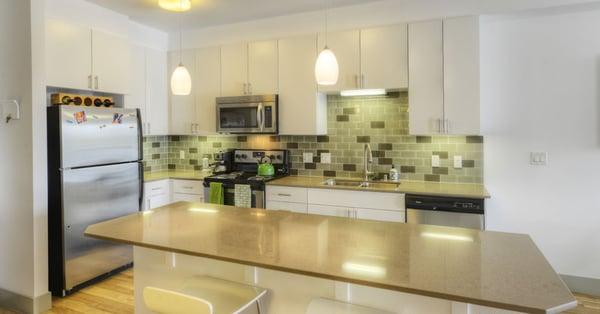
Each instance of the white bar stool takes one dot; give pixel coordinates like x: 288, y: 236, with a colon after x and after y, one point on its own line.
x: 321, y: 306
x: 204, y: 295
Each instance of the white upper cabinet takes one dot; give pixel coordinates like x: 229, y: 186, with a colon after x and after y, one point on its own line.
x: 148, y: 89
x: 68, y: 55
x: 234, y: 70
x: 444, y: 77
x: 262, y: 68
x: 384, y: 57
x: 302, y: 110
x: 207, y: 87
x: 461, y: 75
x: 157, y: 99
x: 183, y: 113
x: 81, y: 58
x: 346, y: 47
x: 110, y: 59
x: 426, y: 68
x: 136, y: 99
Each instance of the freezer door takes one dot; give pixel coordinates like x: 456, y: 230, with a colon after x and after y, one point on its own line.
x: 98, y: 136
x: 92, y: 195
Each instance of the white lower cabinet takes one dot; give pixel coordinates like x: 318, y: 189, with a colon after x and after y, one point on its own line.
x: 339, y: 203
x: 292, y: 207
x: 188, y: 191
x: 156, y: 194
x: 164, y: 192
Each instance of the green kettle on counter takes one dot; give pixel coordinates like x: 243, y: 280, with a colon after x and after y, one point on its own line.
x: 265, y: 167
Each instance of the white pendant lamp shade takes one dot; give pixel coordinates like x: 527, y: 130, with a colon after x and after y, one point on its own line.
x: 175, y: 5
x: 181, y: 81
x: 326, y: 68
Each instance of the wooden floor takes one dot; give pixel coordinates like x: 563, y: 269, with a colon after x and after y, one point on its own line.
x: 115, y: 295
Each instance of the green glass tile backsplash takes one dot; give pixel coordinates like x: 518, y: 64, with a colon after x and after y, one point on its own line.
x: 381, y: 121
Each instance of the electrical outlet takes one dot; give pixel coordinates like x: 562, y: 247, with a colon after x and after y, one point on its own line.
x: 307, y: 158
x: 435, y: 160
x: 538, y: 158
x: 325, y: 158
x: 458, y: 162
x: 182, y: 154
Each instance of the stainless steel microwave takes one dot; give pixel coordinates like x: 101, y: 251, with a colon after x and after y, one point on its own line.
x: 248, y: 114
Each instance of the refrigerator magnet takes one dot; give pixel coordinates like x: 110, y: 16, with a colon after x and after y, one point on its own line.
x: 117, y: 118
x: 80, y: 117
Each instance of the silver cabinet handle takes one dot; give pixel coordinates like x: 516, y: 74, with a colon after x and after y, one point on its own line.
x: 188, y: 187
x: 284, y: 194
x: 156, y: 189
x: 90, y: 81
x: 356, y: 81
x: 192, y: 128
x: 96, y: 82
x: 446, y: 126
x: 249, y: 88
x: 245, y: 88
x: 362, y: 81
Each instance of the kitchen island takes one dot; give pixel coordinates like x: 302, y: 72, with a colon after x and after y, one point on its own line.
x: 392, y: 266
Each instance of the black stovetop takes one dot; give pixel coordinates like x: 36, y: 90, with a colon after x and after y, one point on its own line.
x: 241, y: 177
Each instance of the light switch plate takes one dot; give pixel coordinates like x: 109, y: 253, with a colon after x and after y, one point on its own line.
x: 435, y: 160
x: 458, y: 162
x: 538, y: 158
x: 325, y: 158
x: 182, y: 154
x: 307, y: 158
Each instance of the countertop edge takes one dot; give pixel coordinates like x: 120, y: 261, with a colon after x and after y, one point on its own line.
x: 439, y: 295
x: 485, y: 195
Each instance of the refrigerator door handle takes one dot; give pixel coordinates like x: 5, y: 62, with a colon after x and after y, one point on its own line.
x: 140, y: 135
x: 141, y: 186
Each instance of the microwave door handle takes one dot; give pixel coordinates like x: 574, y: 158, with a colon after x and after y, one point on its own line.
x: 263, y: 118
x: 259, y: 115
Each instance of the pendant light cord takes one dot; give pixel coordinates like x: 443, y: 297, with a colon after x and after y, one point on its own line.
x: 326, y: 21
x: 180, y: 33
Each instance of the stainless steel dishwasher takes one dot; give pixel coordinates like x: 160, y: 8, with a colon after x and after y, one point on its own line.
x: 445, y: 211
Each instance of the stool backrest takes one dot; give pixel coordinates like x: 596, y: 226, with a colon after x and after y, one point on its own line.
x: 170, y: 302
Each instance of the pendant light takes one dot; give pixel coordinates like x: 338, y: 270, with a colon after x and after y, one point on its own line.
x: 181, y: 81
x: 175, y: 5
x: 326, y: 67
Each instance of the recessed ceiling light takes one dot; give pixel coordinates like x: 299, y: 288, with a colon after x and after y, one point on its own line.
x: 175, y: 5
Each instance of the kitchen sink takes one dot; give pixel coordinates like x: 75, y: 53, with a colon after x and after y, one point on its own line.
x: 359, y: 184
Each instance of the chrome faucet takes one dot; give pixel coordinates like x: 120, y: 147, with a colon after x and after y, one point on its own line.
x: 368, y: 155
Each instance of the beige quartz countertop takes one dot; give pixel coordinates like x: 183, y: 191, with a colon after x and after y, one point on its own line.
x: 500, y: 270
x: 408, y: 187
x: 176, y: 174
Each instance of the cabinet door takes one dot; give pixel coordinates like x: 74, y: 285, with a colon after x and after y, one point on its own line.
x: 180, y: 197
x: 234, y: 70
x: 68, y: 55
x: 182, y: 107
x: 262, y: 67
x: 380, y: 215
x: 384, y: 57
x: 425, y: 66
x: 336, y: 211
x: 302, y: 110
x: 157, y: 100
x: 137, y: 94
x: 111, y: 55
x: 461, y: 75
x: 293, y: 207
x: 346, y: 47
x: 156, y: 201
x: 207, y: 88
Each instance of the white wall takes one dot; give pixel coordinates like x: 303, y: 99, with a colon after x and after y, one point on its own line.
x: 356, y: 16
x: 540, y: 91
x: 16, y: 203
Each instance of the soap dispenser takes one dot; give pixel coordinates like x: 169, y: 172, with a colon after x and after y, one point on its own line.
x: 394, y: 174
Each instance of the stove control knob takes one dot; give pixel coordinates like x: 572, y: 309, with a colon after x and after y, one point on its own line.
x: 272, y: 157
x: 238, y: 156
x: 279, y: 157
x: 244, y: 156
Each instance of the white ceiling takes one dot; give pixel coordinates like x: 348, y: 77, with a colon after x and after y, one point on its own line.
x: 216, y: 12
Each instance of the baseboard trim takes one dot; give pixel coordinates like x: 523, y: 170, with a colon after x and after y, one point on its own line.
x: 583, y: 285
x: 16, y: 302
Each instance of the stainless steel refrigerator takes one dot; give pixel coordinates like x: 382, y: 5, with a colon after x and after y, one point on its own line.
x: 95, y: 173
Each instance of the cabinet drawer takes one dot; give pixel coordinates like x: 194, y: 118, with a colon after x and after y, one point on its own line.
x: 188, y: 187
x: 380, y: 215
x: 156, y: 188
x: 293, y: 207
x: 337, y: 211
x: 194, y: 198
x: 357, y: 199
x: 286, y: 194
